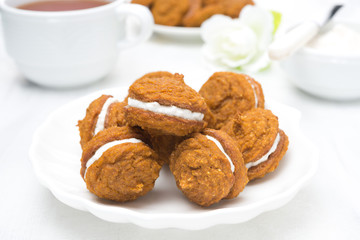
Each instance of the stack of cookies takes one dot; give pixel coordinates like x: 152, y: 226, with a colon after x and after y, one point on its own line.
x: 214, y: 140
x: 191, y: 13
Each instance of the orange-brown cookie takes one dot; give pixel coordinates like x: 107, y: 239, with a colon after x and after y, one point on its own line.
x: 164, y: 145
x: 208, y: 167
x: 105, y: 111
x: 165, y: 106
x: 158, y: 74
x: 234, y: 7
x: 146, y: 3
x: 227, y: 93
x: 198, y: 13
x: 270, y: 161
x: 259, y: 139
x: 211, y: 2
x: 117, y: 165
x: 169, y: 12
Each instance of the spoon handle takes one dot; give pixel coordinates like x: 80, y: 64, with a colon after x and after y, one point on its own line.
x: 297, y: 37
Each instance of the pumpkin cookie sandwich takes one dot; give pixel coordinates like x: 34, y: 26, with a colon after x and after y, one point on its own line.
x: 199, y: 12
x: 158, y: 74
x: 105, y: 111
x: 208, y: 167
x: 164, y: 145
x: 169, y: 12
x: 260, y: 140
x: 117, y: 165
x: 227, y: 93
x: 165, y: 106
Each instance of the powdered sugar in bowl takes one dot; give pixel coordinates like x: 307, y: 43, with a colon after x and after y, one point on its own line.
x: 329, y: 66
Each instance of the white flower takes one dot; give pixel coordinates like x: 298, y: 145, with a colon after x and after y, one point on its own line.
x: 239, y: 43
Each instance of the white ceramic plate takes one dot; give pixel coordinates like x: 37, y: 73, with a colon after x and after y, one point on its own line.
x: 178, y: 32
x: 55, y: 154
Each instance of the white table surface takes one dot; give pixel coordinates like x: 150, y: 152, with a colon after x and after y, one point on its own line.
x: 327, y: 208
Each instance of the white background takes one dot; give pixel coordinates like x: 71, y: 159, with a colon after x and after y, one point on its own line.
x: 327, y: 208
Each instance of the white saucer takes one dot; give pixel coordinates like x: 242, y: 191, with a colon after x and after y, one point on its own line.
x: 178, y: 32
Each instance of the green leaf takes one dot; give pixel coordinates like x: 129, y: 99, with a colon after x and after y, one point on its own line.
x: 277, y: 20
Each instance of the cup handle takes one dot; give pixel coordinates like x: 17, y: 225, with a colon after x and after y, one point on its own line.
x: 146, y: 23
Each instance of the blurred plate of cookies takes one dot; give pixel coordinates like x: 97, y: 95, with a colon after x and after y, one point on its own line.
x: 183, y: 18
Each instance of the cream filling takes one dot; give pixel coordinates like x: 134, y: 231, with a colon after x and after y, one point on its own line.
x: 166, y: 110
x: 218, y: 144
x: 340, y: 40
x: 106, y: 147
x: 266, y: 156
x: 100, y: 124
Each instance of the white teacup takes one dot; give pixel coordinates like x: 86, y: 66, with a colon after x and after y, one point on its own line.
x: 70, y: 48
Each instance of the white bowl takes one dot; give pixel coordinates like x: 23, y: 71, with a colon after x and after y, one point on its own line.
x: 324, y: 75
